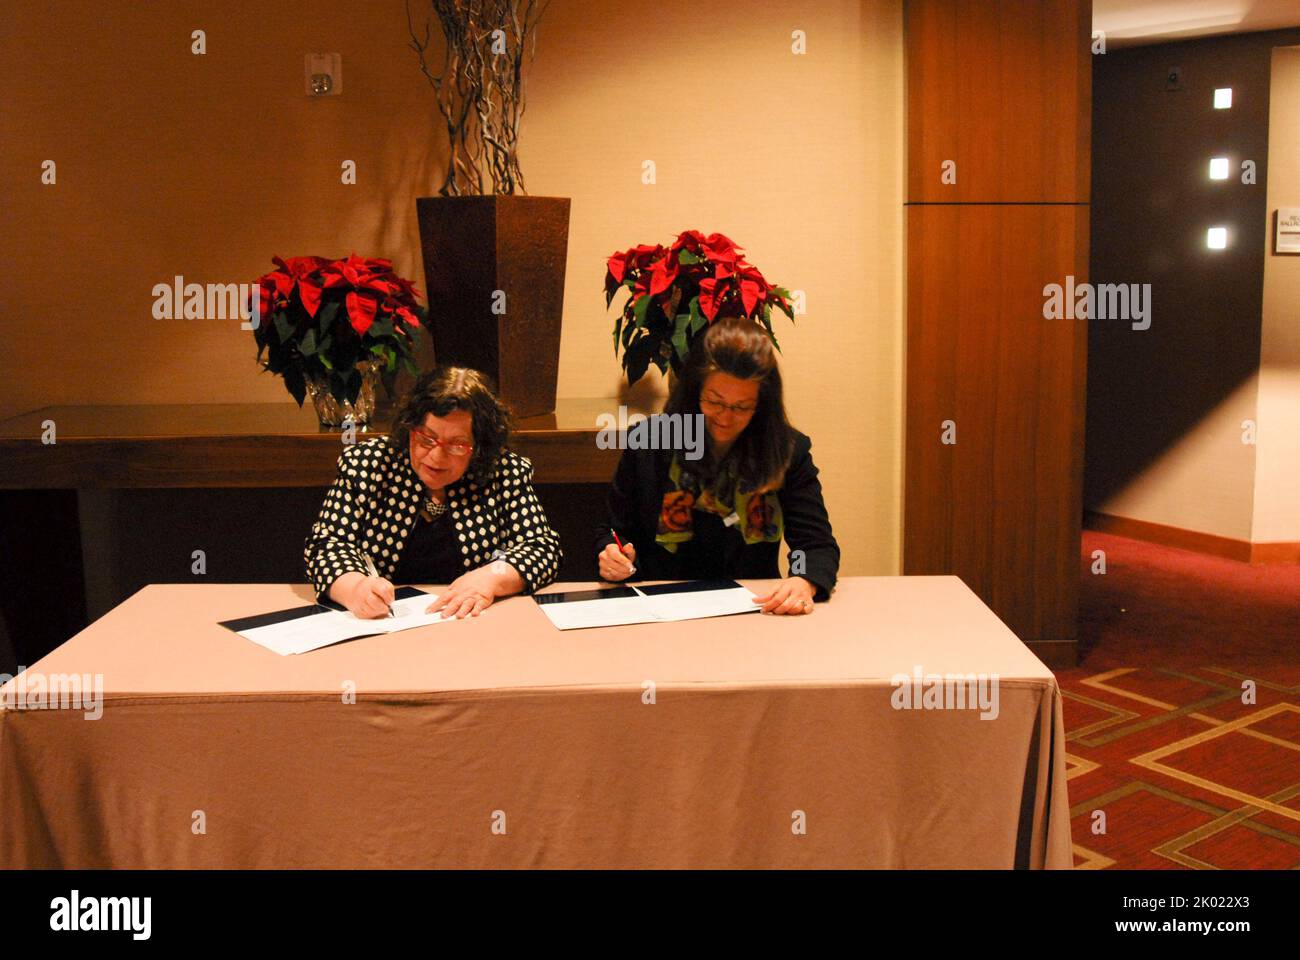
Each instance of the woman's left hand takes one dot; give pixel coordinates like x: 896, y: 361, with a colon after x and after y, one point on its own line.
x: 468, y: 596
x: 793, y: 595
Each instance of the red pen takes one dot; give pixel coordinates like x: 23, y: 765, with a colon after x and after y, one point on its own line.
x: 620, y: 546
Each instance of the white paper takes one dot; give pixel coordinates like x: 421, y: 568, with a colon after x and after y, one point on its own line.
x: 613, y: 612
x: 697, y: 605
x: 650, y: 608
x: 304, y: 634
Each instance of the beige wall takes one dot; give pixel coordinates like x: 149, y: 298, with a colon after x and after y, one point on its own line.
x: 206, y: 166
x: 1202, y: 481
x: 1277, y: 459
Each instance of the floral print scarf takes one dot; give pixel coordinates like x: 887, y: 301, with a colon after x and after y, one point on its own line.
x: 758, y: 514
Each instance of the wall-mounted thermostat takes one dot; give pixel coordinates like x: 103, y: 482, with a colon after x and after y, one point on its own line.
x: 324, y: 74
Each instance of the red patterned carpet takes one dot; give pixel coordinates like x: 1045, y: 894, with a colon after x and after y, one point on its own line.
x: 1170, y: 765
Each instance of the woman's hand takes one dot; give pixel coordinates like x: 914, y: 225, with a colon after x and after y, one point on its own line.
x: 367, y: 597
x: 793, y: 595
x: 472, y: 593
x: 617, y: 564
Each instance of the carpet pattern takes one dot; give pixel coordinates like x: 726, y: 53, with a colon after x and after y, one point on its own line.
x: 1183, y: 719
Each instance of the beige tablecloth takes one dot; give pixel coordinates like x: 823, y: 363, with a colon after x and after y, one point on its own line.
x: 503, y: 742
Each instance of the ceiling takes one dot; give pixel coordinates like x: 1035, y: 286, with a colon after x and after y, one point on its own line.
x: 1134, y: 22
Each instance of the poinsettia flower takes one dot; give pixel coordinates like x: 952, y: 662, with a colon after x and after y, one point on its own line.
x: 749, y: 295
x: 691, y: 240
x: 720, y: 248
x: 710, y: 296
x: 663, y: 273
x: 361, y: 311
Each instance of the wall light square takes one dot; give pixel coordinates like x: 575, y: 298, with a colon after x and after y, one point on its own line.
x: 1219, y: 168
x: 1217, y: 238
x: 1222, y: 98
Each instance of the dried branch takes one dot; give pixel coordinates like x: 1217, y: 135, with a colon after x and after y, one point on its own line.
x: 480, y: 89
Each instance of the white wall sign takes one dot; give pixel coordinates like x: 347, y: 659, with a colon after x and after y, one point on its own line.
x: 1288, y: 230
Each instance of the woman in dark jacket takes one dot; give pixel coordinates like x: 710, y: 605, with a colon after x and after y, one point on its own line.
x: 441, y: 500
x: 725, y: 514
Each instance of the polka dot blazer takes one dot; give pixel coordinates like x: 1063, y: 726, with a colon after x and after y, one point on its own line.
x: 376, y: 497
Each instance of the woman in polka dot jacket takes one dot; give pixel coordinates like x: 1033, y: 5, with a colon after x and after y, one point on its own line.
x: 440, y: 500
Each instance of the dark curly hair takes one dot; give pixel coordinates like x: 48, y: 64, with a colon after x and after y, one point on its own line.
x: 444, y: 389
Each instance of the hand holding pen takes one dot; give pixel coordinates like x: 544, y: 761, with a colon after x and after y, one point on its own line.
x: 384, y: 589
x: 617, y: 560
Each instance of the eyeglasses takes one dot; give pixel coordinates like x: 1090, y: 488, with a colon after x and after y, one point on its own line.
x: 717, y: 406
x: 423, y: 443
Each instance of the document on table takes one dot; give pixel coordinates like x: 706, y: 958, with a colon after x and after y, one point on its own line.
x: 301, y: 629
x: 660, y: 603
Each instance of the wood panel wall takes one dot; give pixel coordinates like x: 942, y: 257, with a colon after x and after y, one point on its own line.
x: 1003, y: 89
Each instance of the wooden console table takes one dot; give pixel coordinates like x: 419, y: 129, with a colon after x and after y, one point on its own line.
x: 168, y: 446
x: 251, y: 445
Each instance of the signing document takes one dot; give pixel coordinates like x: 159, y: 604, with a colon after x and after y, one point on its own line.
x: 300, y: 629
x: 663, y: 602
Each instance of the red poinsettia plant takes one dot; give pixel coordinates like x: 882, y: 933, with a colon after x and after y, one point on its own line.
x: 319, y: 318
x: 677, y: 291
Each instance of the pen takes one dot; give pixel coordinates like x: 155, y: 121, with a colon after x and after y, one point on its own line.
x: 620, y: 546
x: 370, y: 564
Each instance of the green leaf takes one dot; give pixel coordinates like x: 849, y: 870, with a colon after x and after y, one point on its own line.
x: 283, y: 327
x: 686, y: 257
x: 326, y: 315
x: 679, y: 335
x: 697, y: 318
x: 411, y: 366
x: 639, y: 309
x: 308, y: 345
x: 637, y: 358
x: 618, y: 322
x: 390, y: 356
x: 325, y: 361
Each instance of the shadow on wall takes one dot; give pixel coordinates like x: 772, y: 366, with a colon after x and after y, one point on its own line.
x: 1152, y: 203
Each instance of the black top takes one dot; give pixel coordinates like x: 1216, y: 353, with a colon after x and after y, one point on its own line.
x: 716, y: 550
x: 432, y: 553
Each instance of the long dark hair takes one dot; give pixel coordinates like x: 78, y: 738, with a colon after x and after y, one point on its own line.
x: 739, y: 348
x: 444, y: 389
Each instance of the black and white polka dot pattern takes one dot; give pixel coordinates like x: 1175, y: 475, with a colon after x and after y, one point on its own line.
x: 372, y: 508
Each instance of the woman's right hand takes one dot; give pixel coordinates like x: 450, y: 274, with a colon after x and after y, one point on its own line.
x: 617, y: 564
x: 369, y: 598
